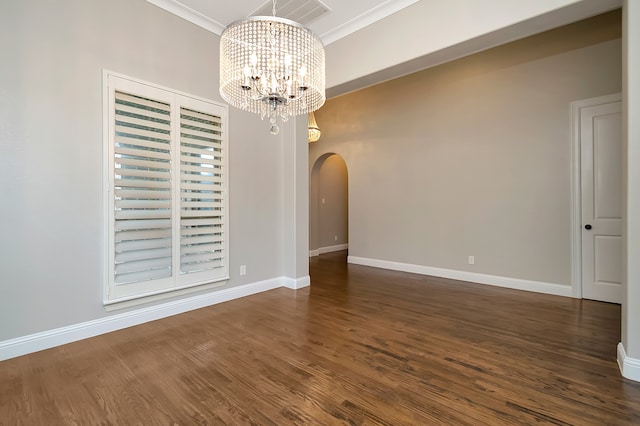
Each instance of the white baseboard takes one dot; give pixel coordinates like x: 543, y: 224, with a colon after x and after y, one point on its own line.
x: 297, y: 283
x: 629, y: 367
x: 323, y: 250
x: 513, y: 283
x: 48, y: 339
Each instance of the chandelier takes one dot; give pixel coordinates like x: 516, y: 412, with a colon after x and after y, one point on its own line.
x: 314, y: 130
x: 273, y: 67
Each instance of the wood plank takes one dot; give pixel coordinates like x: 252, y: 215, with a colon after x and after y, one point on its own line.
x: 360, y: 346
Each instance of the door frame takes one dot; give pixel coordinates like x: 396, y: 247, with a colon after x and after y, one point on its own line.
x: 576, y: 187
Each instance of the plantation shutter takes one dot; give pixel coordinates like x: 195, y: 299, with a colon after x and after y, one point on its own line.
x: 201, y: 192
x: 142, y: 189
x: 167, y: 191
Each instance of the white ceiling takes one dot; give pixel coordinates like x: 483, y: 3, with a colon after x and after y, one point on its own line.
x: 343, y: 16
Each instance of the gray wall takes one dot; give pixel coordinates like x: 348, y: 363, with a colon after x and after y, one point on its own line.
x: 631, y: 232
x: 51, y: 213
x: 473, y: 157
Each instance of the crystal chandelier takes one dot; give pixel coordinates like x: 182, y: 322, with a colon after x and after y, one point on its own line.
x: 314, y: 130
x: 273, y: 67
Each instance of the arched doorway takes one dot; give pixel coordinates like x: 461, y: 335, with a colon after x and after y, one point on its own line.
x: 328, y: 205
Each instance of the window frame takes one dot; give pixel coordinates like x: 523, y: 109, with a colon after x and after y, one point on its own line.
x: 177, y: 283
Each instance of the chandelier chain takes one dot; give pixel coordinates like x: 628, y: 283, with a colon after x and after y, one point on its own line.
x: 274, y: 7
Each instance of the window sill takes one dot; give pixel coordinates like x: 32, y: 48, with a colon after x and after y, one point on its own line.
x: 130, y: 301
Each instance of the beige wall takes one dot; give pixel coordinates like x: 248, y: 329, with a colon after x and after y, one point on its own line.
x: 329, y: 208
x: 473, y: 157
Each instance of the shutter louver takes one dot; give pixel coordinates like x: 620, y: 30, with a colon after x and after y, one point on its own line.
x: 142, y: 189
x: 201, y: 192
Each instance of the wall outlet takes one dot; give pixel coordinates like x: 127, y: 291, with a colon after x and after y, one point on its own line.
x: 323, y: 200
x: 243, y: 269
x: 335, y: 238
x: 472, y: 260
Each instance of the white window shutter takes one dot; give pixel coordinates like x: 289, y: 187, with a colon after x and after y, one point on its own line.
x: 142, y: 189
x: 167, y: 202
x: 201, y: 192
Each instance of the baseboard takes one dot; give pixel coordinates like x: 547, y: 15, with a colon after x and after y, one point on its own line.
x: 297, y: 283
x: 313, y: 253
x: 48, y: 339
x: 629, y: 367
x: 330, y: 249
x: 513, y: 283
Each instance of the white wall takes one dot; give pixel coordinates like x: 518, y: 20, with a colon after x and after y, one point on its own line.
x: 473, y: 157
x: 51, y: 213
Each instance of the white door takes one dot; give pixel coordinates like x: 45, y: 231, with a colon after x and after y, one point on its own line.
x: 601, y: 181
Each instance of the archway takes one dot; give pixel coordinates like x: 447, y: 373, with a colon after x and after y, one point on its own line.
x: 328, y: 205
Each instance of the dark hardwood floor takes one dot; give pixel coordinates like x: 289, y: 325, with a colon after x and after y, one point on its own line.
x: 360, y: 346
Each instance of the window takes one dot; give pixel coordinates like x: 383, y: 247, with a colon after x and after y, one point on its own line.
x: 167, y: 183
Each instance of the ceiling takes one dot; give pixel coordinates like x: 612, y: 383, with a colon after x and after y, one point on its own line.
x: 329, y: 19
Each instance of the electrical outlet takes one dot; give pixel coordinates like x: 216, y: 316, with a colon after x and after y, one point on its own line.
x: 243, y: 270
x: 472, y: 260
x: 335, y: 238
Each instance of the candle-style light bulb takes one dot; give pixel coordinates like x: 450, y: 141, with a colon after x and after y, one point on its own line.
x: 246, y: 85
x: 302, y: 86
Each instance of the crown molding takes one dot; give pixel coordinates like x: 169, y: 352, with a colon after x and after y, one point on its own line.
x: 193, y: 16
x: 367, y: 18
